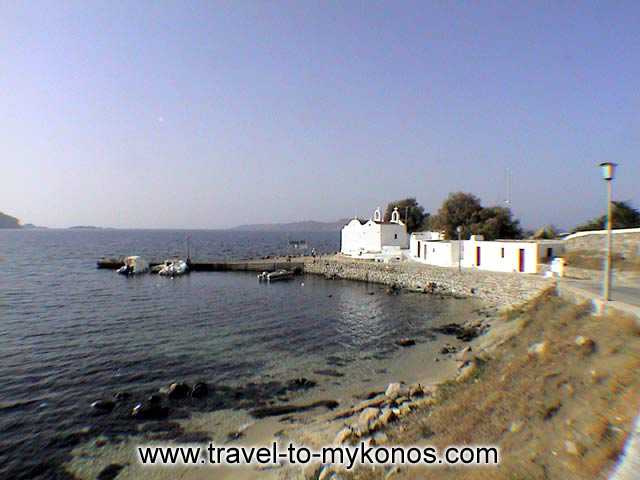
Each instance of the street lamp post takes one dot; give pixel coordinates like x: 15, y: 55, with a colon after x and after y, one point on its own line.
x: 459, y: 230
x: 608, y: 172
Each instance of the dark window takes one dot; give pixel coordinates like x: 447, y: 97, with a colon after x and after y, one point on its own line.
x: 502, y: 252
x: 549, y: 252
x: 395, y: 236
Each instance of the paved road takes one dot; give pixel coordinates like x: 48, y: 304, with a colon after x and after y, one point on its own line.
x: 626, y: 294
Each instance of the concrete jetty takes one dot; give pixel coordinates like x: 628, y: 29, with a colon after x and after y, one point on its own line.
x: 257, y: 265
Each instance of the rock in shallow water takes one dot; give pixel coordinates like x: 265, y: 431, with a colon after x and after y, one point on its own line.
x: 178, y: 390
x: 103, y: 406
x: 149, y: 411
x: 121, y: 396
x: 200, y: 390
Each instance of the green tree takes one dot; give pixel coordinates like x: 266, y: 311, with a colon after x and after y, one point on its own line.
x: 466, y: 210
x: 411, y: 213
x: 459, y: 209
x: 497, y: 222
x: 624, y: 216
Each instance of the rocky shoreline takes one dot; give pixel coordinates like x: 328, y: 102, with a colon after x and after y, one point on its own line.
x: 293, y: 409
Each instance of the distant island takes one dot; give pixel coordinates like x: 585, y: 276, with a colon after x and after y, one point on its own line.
x: 7, y: 221
x: 304, y: 226
x: 84, y: 227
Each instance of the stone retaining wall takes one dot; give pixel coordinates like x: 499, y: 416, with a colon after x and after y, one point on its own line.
x: 495, y: 289
x: 625, y: 241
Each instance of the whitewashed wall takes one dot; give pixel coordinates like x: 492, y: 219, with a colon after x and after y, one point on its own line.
x: 421, y: 237
x: 492, y: 258
x: 497, y: 256
x: 442, y: 254
x: 357, y: 238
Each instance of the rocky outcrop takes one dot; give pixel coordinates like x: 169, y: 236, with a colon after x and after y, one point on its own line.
x: 7, y: 221
x: 366, y: 419
x: 464, y: 332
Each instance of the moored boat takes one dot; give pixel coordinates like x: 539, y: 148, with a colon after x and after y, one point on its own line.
x: 276, y: 276
x: 173, y: 268
x: 134, y: 265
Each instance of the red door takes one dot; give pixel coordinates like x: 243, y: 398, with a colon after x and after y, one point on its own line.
x: 521, y: 260
x: 477, y: 256
x: 418, y: 249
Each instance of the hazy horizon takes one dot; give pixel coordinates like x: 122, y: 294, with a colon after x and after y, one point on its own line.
x: 218, y: 114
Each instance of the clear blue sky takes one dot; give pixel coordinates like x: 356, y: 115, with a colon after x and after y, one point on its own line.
x: 211, y: 114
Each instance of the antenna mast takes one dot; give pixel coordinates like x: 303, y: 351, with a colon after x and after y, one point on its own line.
x: 508, y: 199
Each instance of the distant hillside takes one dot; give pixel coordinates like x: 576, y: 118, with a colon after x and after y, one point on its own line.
x: 305, y: 226
x: 7, y: 221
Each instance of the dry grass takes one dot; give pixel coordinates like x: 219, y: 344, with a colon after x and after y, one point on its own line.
x: 531, y: 406
x: 592, y: 260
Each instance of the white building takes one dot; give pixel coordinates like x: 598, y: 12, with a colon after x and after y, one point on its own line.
x: 374, y: 236
x: 523, y: 256
x: 418, y: 239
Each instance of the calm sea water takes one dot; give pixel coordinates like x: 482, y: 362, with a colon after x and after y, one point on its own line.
x: 71, y: 334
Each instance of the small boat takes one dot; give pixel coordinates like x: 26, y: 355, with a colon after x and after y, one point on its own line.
x: 173, y: 268
x: 134, y: 265
x: 276, y: 276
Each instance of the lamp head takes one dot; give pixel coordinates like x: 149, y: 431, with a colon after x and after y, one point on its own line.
x: 608, y: 170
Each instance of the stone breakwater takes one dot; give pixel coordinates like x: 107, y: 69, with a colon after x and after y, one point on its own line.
x: 494, y: 289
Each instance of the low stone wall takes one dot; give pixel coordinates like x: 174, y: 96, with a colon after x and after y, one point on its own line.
x: 625, y: 241
x: 495, y: 289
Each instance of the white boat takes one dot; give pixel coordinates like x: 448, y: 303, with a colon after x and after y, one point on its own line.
x: 275, y: 276
x: 173, y: 268
x: 134, y: 265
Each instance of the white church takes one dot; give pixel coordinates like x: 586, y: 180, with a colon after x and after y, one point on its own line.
x: 374, y: 237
